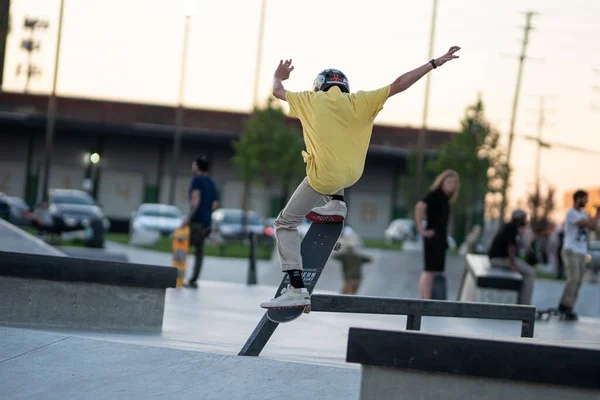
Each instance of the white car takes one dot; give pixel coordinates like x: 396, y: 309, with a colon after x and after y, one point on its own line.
x: 399, y: 230
x: 161, y: 219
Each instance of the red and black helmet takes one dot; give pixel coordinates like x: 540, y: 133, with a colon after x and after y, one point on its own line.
x: 331, y: 77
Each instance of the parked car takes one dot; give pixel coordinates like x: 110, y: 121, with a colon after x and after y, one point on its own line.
x: 161, y: 218
x: 76, y: 211
x: 227, y: 225
x: 14, y: 210
x: 400, y: 230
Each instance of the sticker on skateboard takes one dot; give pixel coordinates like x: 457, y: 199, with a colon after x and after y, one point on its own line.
x: 316, y: 247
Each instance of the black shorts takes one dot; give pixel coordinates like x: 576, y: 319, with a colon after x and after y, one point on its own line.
x: 434, y: 256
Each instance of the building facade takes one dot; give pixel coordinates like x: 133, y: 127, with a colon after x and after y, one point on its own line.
x: 134, y: 142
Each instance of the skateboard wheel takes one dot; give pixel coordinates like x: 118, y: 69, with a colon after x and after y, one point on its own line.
x: 337, y: 246
x: 307, y: 310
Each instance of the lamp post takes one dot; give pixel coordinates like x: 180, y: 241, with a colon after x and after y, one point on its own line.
x: 189, y: 9
x: 51, y: 114
x: 421, y: 138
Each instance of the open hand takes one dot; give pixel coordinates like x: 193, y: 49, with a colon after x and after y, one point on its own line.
x: 428, y: 233
x: 448, y: 56
x: 283, y: 70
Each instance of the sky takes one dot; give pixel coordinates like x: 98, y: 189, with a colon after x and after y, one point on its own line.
x: 131, y: 50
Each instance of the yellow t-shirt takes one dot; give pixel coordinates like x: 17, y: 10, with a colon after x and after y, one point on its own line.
x: 337, y: 130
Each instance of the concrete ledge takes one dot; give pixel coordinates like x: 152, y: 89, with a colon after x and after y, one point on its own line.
x: 84, y: 270
x: 380, y: 383
x: 40, y: 303
x: 488, y: 277
x: 419, y: 365
x: 484, y: 284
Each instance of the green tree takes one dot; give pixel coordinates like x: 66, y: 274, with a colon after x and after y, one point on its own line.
x: 268, y: 151
x: 475, y: 155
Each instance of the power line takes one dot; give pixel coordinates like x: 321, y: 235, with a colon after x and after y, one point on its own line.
x: 526, y: 29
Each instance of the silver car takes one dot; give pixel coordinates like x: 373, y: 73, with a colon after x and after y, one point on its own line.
x: 227, y: 224
x: 151, y: 217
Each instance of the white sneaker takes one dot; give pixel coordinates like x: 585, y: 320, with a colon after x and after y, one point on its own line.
x: 290, y: 298
x: 333, y: 211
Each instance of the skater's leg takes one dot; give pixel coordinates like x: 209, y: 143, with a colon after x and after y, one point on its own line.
x: 334, y: 210
x: 567, y: 300
x: 197, y: 236
x: 286, y: 225
x: 528, y: 274
x: 426, y: 284
x: 434, y: 256
x: 288, y: 246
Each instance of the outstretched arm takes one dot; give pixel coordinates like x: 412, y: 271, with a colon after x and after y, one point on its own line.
x: 406, y: 80
x: 281, y: 74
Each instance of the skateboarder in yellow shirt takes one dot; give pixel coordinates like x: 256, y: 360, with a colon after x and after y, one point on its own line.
x: 337, y: 128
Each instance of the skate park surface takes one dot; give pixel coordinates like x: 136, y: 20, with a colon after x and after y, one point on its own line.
x: 195, y: 356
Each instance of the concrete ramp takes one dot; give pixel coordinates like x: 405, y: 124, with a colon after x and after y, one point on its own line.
x: 19, y: 241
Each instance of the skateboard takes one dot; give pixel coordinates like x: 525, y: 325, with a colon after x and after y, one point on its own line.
x: 316, y: 247
x: 548, y: 313
x: 438, y: 291
x: 180, y: 249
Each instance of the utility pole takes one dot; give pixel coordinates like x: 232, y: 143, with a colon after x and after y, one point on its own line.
x: 51, y: 114
x: 261, y: 30
x: 522, y: 58
x: 30, y: 45
x: 540, y: 144
x: 189, y: 10
x: 422, y: 132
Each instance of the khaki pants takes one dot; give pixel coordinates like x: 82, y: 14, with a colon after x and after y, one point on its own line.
x: 575, y: 269
x: 286, y: 225
x: 526, y: 271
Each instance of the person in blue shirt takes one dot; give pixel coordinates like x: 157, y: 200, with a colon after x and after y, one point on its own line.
x: 203, y: 201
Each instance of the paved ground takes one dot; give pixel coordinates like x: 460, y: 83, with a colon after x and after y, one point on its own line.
x: 195, y: 356
x: 39, y: 365
x: 204, y: 329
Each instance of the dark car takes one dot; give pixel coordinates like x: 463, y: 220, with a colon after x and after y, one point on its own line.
x: 14, y: 210
x: 76, y: 210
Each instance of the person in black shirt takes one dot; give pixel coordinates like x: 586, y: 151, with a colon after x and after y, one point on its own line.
x: 203, y: 196
x: 436, y: 208
x: 502, y: 254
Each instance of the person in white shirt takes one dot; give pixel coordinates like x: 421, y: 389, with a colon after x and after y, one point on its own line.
x: 577, y: 225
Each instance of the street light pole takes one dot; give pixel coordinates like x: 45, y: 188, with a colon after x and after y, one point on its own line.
x: 261, y: 29
x: 421, y: 137
x: 51, y: 114
x: 189, y: 11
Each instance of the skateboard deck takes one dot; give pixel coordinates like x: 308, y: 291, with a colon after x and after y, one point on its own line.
x: 438, y: 291
x: 180, y: 249
x: 316, y: 247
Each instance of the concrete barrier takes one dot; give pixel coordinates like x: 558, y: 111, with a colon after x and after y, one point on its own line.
x: 17, y: 240
x: 409, y: 365
x: 51, y: 292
